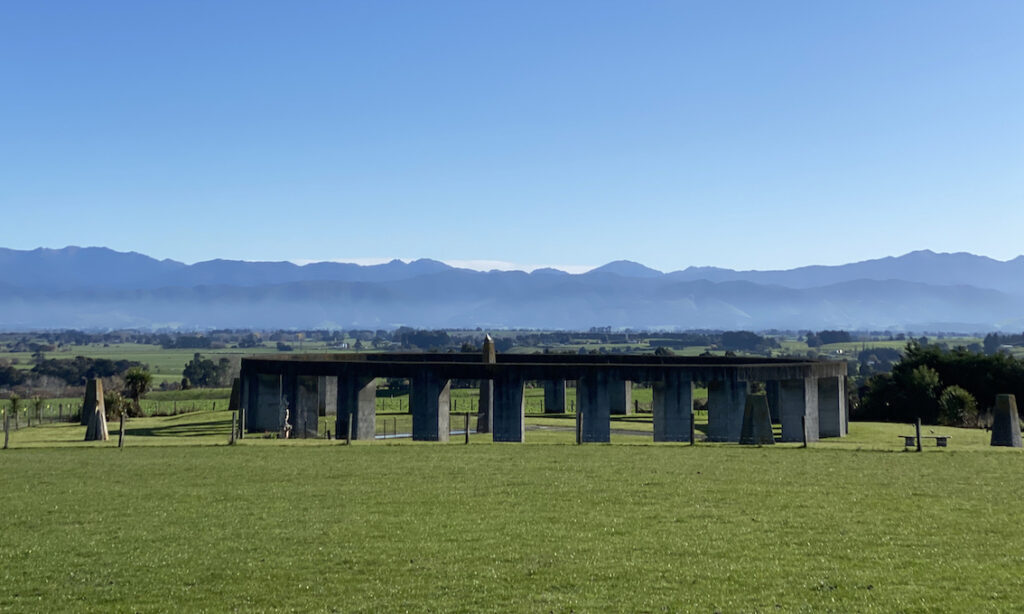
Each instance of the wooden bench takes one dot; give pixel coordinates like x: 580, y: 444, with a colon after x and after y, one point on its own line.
x: 941, y: 441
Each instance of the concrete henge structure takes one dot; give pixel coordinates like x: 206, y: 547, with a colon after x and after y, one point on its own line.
x: 809, y: 392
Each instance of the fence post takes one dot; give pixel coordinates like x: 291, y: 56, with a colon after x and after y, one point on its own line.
x: 7, y: 429
x: 234, y: 428
x: 467, y: 427
x: 120, y: 435
x: 348, y: 434
x: 917, y: 430
x: 693, y: 428
x: 803, y: 428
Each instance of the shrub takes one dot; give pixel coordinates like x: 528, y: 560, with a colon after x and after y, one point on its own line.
x: 957, y: 407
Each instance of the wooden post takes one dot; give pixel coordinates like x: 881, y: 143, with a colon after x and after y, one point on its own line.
x: 234, y: 427
x: 693, y: 428
x: 467, y: 427
x: 917, y: 431
x: 7, y: 429
x: 120, y: 434
x: 803, y: 428
x: 215, y: 406
x: 241, y: 423
x: 348, y: 434
x: 175, y: 408
x: 579, y: 428
x: 394, y: 428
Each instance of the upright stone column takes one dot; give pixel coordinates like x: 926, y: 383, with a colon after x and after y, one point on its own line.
x: 1006, y: 422
x: 93, y: 398
x: 356, y: 396
x: 554, y: 396
x: 832, y: 407
x: 673, y: 404
x: 288, y: 403
x: 757, y: 422
x: 485, y: 409
x: 771, y: 393
x: 246, y: 394
x: 621, y: 399
x: 726, y: 400
x: 509, y: 408
x: 327, y: 403
x: 306, y: 411
x: 235, y: 401
x: 265, y: 410
x: 798, y: 399
x: 592, y: 402
x: 429, y: 400
x: 95, y: 411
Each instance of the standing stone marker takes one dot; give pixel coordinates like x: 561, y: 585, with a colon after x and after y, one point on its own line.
x: 94, y: 412
x: 757, y: 422
x: 486, y: 406
x: 1006, y: 422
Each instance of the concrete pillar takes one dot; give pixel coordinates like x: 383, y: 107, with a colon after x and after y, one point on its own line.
x: 621, y: 396
x: 235, y: 400
x: 93, y: 399
x: 798, y: 398
x: 485, y: 408
x: 265, y: 411
x: 289, y: 401
x: 726, y: 400
x: 429, y: 400
x: 1006, y: 422
x: 306, y: 414
x: 554, y: 396
x: 243, y: 409
x: 356, y: 396
x: 771, y: 393
x: 673, y: 402
x: 832, y: 406
x: 327, y: 403
x: 757, y: 422
x: 592, y: 402
x: 509, y: 408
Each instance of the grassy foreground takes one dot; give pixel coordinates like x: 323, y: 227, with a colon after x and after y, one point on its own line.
x: 317, y: 526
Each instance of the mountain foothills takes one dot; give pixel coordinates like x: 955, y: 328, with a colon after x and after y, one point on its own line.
x: 100, y: 288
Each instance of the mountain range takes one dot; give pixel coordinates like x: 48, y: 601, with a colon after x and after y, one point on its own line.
x: 95, y: 287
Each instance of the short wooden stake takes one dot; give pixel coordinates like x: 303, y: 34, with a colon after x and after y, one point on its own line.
x: 803, y: 427
x: 693, y: 428
x: 234, y: 427
x: 241, y: 423
x: 917, y: 429
x: 467, y: 427
x: 579, y: 428
x: 7, y: 429
x: 120, y: 434
x: 348, y: 435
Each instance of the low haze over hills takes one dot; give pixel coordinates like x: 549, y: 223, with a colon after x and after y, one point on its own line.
x: 98, y: 287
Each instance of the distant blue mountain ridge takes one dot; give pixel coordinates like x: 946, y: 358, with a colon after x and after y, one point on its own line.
x: 95, y: 287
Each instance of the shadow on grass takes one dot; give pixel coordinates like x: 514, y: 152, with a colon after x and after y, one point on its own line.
x: 215, y: 426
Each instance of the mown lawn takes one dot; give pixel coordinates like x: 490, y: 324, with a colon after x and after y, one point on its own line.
x: 179, y: 521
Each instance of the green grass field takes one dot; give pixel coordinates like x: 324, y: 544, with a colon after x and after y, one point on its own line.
x: 180, y: 520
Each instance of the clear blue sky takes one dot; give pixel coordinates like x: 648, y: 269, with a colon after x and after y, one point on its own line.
x: 742, y: 134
